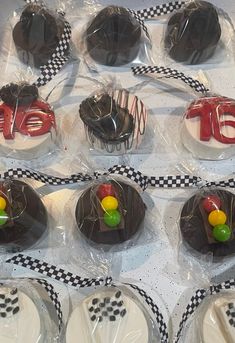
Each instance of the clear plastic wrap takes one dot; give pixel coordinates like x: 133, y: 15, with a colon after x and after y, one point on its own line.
x: 115, y: 120
x: 28, y: 216
x: 115, y: 36
x: 213, y: 319
x: 199, y: 33
x: 208, y: 128
x: 206, y: 229
x: 111, y: 314
x: 111, y: 215
x: 27, y: 314
x: 36, y: 38
x: 27, y: 123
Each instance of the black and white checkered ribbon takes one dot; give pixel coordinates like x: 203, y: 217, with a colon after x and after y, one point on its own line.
x: 56, y: 273
x: 74, y: 280
x: 140, y: 21
x: 172, y: 74
x: 156, y: 11
x: 58, y: 58
x: 144, y: 181
x: 54, y: 298
x: 157, y: 313
x: 196, y: 300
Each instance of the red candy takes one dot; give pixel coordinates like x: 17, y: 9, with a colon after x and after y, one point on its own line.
x: 211, y: 203
x: 105, y: 190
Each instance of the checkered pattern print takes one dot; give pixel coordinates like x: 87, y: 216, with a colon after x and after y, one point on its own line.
x: 159, y: 317
x: 190, y: 309
x: 229, y: 284
x: 131, y: 174
x: 228, y: 183
x: 48, y: 179
x: 54, y: 298
x: 58, y: 58
x: 140, y: 21
x: 55, y: 273
x: 173, y: 74
x: 32, y: 1
x: 157, y: 11
x: 177, y: 181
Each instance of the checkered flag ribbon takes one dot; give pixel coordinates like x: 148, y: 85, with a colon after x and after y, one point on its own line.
x: 58, y: 58
x: 196, y: 300
x: 143, y: 181
x: 140, y: 21
x: 54, y: 298
x: 172, y: 74
x: 56, y: 273
x: 157, y: 11
x: 73, y: 280
x: 177, y: 181
x: 158, y: 315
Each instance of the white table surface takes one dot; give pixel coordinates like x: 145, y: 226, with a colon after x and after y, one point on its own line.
x: 154, y: 263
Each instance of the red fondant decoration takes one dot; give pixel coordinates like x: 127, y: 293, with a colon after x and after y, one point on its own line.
x: 34, y: 120
x: 210, y: 110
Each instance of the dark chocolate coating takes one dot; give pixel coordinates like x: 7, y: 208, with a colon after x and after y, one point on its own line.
x: 193, y: 33
x: 31, y: 224
x: 113, y: 37
x: 107, y: 120
x: 88, y: 222
x: 192, y: 227
x: 37, y: 34
x: 22, y: 94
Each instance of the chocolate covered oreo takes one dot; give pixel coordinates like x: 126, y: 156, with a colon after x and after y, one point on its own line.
x: 193, y: 33
x: 200, y: 229
x: 110, y: 221
x: 113, y: 37
x: 37, y: 34
x: 26, y: 218
x: 106, y: 119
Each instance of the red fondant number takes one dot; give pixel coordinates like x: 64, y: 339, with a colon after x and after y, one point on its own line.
x: 40, y: 114
x: 210, y: 111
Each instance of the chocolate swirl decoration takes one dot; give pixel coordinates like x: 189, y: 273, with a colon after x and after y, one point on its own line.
x: 9, y: 302
x: 20, y: 94
x: 114, y: 120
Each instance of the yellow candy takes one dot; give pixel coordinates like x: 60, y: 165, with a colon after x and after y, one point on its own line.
x: 109, y: 203
x: 217, y: 217
x: 3, y: 203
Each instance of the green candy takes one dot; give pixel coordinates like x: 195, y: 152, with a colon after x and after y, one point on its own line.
x: 222, y: 232
x: 112, y: 218
x: 3, y: 217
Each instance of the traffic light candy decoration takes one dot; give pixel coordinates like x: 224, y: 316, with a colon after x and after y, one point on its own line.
x: 5, y: 207
x: 110, y: 209
x: 218, y: 231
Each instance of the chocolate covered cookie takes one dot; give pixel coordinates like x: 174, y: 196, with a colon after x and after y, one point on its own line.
x: 110, y: 213
x: 113, y: 37
x: 193, y: 33
x: 23, y: 216
x: 37, y: 34
x: 207, y: 223
x: 114, y: 122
